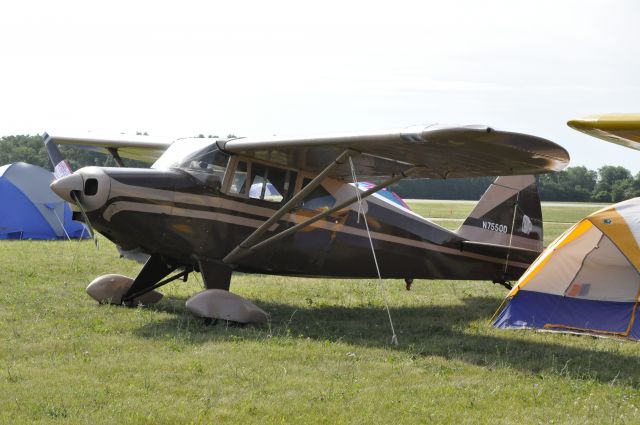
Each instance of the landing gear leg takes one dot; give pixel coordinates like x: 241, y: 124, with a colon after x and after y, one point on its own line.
x: 152, y: 272
x: 117, y: 289
x: 504, y: 283
x: 408, y: 282
x: 215, y: 276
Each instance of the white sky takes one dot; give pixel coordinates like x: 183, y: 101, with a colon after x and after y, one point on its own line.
x: 274, y: 67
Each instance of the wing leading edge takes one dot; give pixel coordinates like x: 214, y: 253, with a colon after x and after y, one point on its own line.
x: 440, y: 152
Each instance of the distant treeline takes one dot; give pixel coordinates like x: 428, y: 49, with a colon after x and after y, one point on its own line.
x: 575, y: 184
x: 30, y: 149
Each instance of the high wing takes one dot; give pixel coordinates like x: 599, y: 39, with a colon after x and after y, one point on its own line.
x: 436, y: 151
x: 621, y: 129
x: 141, y: 148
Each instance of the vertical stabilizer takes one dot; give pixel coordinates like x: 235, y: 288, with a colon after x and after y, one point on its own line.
x: 508, y: 214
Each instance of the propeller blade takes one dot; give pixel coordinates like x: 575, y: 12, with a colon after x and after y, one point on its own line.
x: 61, y: 167
x: 85, y: 218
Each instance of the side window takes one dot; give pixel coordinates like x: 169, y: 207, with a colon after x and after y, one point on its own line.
x: 270, y: 183
x: 239, y: 181
x: 318, y: 199
x: 259, y: 182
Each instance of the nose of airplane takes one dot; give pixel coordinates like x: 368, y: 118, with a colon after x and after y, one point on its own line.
x: 91, y: 184
x: 65, y: 185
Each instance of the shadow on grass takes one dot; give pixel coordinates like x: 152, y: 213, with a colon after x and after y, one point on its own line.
x: 422, y: 331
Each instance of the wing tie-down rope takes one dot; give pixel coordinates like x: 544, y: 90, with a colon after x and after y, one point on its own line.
x: 394, y: 338
x: 61, y: 225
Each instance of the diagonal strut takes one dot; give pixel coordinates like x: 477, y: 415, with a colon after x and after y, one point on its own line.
x: 240, y: 250
x: 244, y: 249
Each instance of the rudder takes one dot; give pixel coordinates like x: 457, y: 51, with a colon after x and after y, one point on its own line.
x: 508, y: 214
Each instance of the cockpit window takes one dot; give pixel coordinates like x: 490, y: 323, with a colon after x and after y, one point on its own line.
x: 179, y: 151
x: 260, y: 181
x: 269, y: 183
x: 207, y: 165
x: 209, y: 160
x: 238, y: 184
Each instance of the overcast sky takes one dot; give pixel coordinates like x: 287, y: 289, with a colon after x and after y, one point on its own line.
x: 273, y: 67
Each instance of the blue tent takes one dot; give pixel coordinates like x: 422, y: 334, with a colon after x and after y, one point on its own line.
x: 29, y: 209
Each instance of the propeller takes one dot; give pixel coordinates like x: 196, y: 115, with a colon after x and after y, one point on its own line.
x: 75, y: 195
x: 62, y: 170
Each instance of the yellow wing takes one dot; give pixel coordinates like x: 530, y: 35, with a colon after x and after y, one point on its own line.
x: 621, y: 129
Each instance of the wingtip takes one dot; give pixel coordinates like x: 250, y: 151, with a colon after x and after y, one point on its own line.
x: 584, y: 123
x: 576, y: 124
x: 626, y: 121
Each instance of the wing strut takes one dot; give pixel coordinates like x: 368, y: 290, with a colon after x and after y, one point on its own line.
x: 244, y: 249
x: 116, y: 156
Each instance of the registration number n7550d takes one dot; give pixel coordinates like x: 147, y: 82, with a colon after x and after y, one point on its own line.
x: 495, y: 227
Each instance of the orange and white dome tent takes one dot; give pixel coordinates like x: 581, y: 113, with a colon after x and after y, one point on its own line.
x: 586, y: 281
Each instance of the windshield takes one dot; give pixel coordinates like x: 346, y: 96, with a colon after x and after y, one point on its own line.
x: 208, y: 160
x: 199, y: 157
x: 180, y: 150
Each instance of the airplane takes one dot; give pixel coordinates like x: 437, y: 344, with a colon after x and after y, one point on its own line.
x: 196, y: 209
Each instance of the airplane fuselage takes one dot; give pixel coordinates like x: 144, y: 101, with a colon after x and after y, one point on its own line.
x: 174, y: 214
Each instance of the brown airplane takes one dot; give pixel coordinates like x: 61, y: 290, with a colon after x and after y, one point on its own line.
x: 289, y: 206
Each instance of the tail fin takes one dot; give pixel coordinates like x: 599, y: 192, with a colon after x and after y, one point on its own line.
x: 508, y: 214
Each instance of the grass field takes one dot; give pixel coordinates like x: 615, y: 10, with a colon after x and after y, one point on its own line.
x: 325, y: 357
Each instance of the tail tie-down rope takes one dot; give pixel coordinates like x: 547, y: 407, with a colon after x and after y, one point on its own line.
x: 394, y: 338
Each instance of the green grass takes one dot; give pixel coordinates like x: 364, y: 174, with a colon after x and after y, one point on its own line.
x: 325, y: 357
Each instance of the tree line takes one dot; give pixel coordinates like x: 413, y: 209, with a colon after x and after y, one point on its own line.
x: 574, y: 184
x: 609, y: 183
